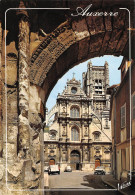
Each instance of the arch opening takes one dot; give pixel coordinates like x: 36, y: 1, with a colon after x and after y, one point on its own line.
x: 75, y: 160
x: 97, y: 162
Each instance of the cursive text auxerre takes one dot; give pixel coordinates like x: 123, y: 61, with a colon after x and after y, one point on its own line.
x: 85, y: 12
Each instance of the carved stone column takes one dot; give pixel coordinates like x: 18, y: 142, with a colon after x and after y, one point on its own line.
x: 89, y: 148
x: 106, y: 75
x: 91, y: 81
x: 60, y: 153
x: 68, y: 132
x: 60, y: 131
x: 89, y: 132
x: 24, y: 134
x: 68, y: 154
x: 82, y: 132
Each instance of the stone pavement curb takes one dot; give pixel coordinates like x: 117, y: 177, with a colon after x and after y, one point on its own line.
x: 113, y: 187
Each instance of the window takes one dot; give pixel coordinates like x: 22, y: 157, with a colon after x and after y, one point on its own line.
x: 74, y: 112
x: 123, y: 116
x: 133, y: 106
x: 53, y: 136
x: 96, y: 81
x: 100, y: 82
x: 106, y: 124
x: 73, y: 90
x: 96, y: 136
x: 52, y: 133
x: 74, y: 134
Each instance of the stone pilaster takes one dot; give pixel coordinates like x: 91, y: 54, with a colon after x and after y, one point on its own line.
x: 89, y: 137
x: 60, y: 153
x: 68, y: 132
x: 82, y: 155
x: 90, y: 80
x: 89, y: 148
x: 68, y: 153
x: 24, y: 134
x: 82, y: 131
x: 106, y: 75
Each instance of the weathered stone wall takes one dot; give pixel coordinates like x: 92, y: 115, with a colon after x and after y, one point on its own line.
x: 21, y: 130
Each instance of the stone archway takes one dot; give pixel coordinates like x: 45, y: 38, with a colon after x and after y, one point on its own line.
x: 82, y: 37
x: 75, y: 41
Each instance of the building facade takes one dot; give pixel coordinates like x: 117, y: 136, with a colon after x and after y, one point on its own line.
x: 80, y: 133
x: 123, y: 123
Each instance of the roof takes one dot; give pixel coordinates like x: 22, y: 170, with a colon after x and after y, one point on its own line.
x: 111, y: 88
x: 74, y: 81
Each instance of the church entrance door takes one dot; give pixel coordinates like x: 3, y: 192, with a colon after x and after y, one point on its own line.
x: 97, y: 163
x: 52, y: 162
x: 75, y: 160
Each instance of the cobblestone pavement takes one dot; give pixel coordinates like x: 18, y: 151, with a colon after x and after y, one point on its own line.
x: 78, y: 183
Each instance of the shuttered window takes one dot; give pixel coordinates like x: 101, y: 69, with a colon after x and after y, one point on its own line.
x: 133, y: 106
x: 123, y: 116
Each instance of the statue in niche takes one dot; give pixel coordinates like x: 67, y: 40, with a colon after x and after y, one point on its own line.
x: 86, y: 156
x: 86, y: 131
x: 64, y: 109
x: 64, y: 131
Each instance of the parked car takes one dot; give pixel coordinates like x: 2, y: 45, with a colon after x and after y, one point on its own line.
x: 53, y: 169
x: 46, y: 168
x: 99, y: 171
x: 130, y: 173
x: 68, y: 169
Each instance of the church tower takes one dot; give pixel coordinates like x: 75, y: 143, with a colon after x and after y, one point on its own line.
x: 95, y: 84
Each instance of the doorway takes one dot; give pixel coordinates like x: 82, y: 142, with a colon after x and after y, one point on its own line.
x: 97, y: 163
x: 51, y: 162
x: 75, y: 160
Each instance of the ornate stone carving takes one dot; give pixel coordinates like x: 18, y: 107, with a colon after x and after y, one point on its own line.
x: 24, y: 136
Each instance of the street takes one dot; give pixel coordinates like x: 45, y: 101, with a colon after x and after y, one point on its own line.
x: 78, y: 183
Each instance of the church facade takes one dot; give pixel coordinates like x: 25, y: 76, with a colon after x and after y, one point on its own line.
x: 80, y: 133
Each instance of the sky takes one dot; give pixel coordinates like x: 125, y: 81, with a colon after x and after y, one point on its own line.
x: 114, y: 75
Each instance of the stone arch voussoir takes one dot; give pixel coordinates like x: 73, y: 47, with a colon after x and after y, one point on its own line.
x: 74, y: 42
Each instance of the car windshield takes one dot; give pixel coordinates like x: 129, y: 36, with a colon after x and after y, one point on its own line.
x: 100, y: 168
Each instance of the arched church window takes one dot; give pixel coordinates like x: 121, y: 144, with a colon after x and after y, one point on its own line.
x: 74, y: 112
x: 74, y: 134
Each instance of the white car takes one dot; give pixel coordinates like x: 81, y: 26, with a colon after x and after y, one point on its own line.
x: 68, y: 169
x: 100, y: 171
x: 54, y: 169
x: 46, y: 168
